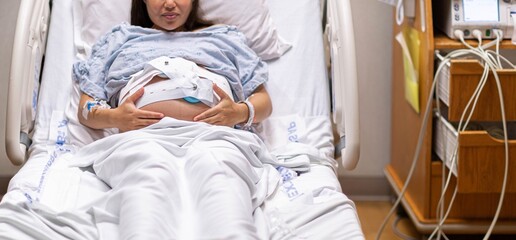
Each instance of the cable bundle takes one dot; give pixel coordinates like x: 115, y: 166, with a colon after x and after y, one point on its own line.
x: 492, y: 61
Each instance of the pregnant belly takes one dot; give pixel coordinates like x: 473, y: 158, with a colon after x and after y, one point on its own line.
x: 175, y: 108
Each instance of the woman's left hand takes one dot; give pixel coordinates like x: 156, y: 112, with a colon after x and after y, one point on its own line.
x: 225, y: 113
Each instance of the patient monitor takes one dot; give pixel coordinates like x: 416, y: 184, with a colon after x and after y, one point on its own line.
x: 471, y: 15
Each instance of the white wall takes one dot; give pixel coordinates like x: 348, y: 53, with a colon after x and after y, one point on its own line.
x: 373, y: 36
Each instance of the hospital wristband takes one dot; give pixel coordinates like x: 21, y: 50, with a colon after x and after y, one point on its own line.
x: 251, y: 113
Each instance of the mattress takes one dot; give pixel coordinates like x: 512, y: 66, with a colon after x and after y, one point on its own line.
x: 299, y: 89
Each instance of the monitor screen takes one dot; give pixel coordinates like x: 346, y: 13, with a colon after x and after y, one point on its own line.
x: 481, y: 10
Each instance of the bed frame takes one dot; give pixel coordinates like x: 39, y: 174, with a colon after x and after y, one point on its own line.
x: 341, y: 43
x: 24, y: 68
x: 28, y: 47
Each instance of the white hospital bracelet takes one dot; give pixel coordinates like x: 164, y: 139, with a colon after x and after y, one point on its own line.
x: 251, y: 113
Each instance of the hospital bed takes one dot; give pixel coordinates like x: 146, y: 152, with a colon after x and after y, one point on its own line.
x: 307, y: 111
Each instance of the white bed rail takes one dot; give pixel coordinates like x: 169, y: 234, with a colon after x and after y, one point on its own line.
x: 27, y: 54
x: 341, y: 37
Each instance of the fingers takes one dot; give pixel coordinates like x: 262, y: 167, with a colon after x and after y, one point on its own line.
x: 204, y: 115
x: 143, y: 114
x: 138, y: 94
x: 219, y: 92
x: 131, y: 109
x: 214, y: 120
x: 211, y: 116
x: 215, y: 117
x: 140, y: 119
x: 132, y: 118
x: 221, y: 114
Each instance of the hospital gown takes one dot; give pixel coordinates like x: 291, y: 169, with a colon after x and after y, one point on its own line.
x: 123, y: 52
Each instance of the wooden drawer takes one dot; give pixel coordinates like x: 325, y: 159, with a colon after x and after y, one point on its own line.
x: 459, y: 81
x: 482, y: 163
x: 481, y: 157
x: 470, y: 205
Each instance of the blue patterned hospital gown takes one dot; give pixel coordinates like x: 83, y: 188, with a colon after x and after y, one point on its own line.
x: 124, y: 51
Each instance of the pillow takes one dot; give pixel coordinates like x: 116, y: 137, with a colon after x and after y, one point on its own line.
x: 92, y: 18
x: 252, y: 18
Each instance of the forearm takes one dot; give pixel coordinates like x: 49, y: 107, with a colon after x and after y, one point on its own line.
x: 125, y: 117
x: 262, y: 105
x: 96, y: 118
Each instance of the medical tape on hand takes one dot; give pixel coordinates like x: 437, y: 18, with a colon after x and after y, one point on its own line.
x: 91, y: 105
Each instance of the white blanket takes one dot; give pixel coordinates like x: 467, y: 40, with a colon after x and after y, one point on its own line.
x: 173, y: 180
x: 184, y: 180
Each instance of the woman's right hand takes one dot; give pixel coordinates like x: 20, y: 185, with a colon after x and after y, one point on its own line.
x: 128, y: 117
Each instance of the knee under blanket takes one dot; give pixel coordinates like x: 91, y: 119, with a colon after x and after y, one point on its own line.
x: 172, y: 180
x: 183, y: 180
x: 180, y: 180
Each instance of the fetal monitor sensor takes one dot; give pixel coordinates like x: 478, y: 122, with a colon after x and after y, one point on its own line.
x: 468, y: 16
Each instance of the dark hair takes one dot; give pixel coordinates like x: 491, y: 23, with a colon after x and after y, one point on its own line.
x: 140, y: 16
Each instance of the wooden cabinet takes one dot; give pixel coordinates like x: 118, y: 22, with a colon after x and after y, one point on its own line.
x: 482, y: 161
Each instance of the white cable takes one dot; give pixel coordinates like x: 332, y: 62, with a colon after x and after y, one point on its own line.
x: 479, y: 50
x: 506, y: 61
x: 506, y: 143
x: 414, y: 161
x: 422, y: 132
x: 499, y: 36
x: 478, y: 34
x: 506, y: 170
x: 400, y: 12
x: 439, y: 208
x: 398, y: 232
x: 460, y: 35
x: 454, y: 157
x: 440, y: 205
x: 441, y: 222
x: 492, y: 65
x: 489, y: 65
x: 474, y: 100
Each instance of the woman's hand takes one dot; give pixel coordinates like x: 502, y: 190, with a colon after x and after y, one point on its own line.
x: 128, y: 117
x: 225, y: 113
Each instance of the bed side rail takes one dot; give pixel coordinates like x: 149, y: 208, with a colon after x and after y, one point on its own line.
x: 27, y: 55
x: 341, y: 39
